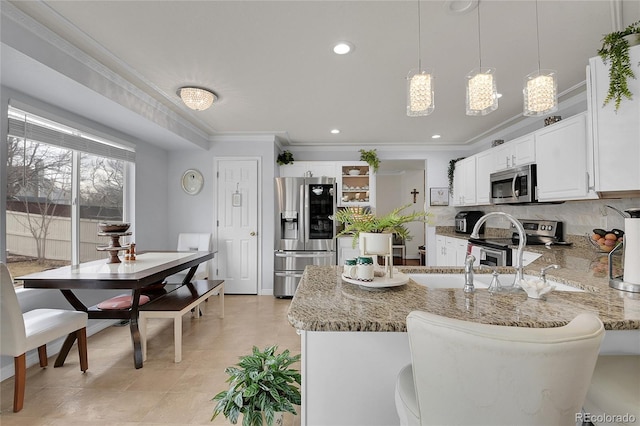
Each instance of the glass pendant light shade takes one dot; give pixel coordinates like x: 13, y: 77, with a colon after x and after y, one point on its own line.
x: 482, y: 92
x: 540, y: 93
x: 420, y: 98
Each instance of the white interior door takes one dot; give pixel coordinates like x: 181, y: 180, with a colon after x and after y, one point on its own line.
x: 237, y: 225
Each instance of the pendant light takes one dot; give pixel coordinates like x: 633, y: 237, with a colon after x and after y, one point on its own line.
x: 420, y: 99
x: 540, y: 87
x: 482, y: 92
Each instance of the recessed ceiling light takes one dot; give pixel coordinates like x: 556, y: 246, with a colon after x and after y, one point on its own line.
x: 460, y: 7
x: 435, y: 137
x: 342, y: 48
x: 335, y: 131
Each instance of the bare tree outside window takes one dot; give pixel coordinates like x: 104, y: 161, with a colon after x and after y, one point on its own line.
x: 38, y: 188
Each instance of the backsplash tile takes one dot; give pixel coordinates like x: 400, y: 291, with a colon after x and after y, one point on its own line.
x: 579, y: 217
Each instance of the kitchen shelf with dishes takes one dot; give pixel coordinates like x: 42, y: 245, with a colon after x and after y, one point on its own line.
x: 356, y: 185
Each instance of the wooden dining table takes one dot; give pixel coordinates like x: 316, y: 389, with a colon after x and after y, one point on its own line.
x: 149, y: 269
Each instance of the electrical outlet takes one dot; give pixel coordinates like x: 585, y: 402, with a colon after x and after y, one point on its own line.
x: 603, y: 222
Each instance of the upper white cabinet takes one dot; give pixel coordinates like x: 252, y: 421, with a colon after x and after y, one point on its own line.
x: 564, y: 168
x: 356, y: 185
x: 515, y: 153
x: 485, y: 165
x: 304, y: 168
x: 464, y: 182
x: 616, y: 135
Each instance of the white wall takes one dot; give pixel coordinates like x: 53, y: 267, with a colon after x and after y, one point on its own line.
x: 197, y: 213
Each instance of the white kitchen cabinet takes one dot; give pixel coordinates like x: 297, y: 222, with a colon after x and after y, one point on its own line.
x: 346, y: 249
x: 515, y: 153
x: 464, y: 182
x: 616, y: 135
x: 356, y: 190
x: 563, y: 167
x: 316, y: 168
x: 485, y: 165
x: 452, y: 251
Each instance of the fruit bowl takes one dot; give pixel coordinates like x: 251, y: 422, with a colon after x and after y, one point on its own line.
x: 606, y: 241
x: 113, y: 227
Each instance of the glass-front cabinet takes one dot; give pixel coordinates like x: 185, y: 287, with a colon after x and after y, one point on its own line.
x: 356, y: 185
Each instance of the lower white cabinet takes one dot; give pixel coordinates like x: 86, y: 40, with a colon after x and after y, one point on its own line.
x: 346, y: 249
x: 451, y: 251
x: 564, y: 168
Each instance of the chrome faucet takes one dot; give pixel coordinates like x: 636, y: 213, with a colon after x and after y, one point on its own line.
x: 543, y: 272
x: 468, y: 274
x: 522, y: 241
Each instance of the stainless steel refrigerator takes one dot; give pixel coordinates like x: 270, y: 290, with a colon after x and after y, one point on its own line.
x: 304, y: 230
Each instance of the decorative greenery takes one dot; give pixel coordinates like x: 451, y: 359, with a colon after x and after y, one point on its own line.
x: 615, y: 50
x: 394, y: 222
x: 263, y: 384
x: 371, y: 157
x: 285, y: 158
x: 451, y: 171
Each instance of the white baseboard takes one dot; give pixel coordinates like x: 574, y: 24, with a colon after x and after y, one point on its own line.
x: 53, y: 348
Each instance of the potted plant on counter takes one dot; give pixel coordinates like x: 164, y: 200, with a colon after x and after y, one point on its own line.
x: 615, y: 53
x: 357, y: 223
x: 262, y: 388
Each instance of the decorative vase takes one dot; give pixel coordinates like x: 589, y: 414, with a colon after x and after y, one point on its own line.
x: 379, y: 244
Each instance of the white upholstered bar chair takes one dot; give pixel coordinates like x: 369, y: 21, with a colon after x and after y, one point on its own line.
x: 22, y: 332
x: 466, y: 373
x: 193, y: 242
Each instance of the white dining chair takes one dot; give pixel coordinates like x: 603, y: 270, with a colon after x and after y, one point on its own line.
x: 193, y: 242
x: 22, y: 332
x: 477, y: 374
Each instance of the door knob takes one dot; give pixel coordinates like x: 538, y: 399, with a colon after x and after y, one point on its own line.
x: 253, y: 234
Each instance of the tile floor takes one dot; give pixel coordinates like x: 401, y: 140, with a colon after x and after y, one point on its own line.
x: 112, y: 392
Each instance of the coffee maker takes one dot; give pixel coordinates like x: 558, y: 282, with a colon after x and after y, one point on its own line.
x: 630, y: 280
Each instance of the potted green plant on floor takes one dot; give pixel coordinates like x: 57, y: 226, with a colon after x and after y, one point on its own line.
x: 356, y: 223
x: 262, y: 388
x: 615, y: 53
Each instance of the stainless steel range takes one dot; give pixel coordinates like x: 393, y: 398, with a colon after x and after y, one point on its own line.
x: 498, y: 251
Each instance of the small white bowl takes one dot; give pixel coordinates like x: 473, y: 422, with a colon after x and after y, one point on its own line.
x: 536, y: 289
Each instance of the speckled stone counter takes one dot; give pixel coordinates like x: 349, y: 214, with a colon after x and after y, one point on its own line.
x: 324, y: 302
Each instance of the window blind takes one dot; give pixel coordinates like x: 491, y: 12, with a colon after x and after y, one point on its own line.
x: 29, y: 126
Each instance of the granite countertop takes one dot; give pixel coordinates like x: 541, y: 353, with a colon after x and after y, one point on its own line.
x: 324, y: 302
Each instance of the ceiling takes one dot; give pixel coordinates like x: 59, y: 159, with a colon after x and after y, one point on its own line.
x: 272, y: 66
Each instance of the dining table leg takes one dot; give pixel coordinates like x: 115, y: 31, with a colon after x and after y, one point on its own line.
x: 71, y: 337
x: 135, y: 331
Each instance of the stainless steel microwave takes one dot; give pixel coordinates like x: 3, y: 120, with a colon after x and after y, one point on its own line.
x: 514, y: 186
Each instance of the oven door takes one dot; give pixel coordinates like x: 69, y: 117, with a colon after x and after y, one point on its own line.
x: 495, y: 257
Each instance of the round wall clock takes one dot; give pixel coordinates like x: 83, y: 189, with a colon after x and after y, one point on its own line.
x: 192, y: 181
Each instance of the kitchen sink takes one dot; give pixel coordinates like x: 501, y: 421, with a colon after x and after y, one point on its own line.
x: 479, y: 281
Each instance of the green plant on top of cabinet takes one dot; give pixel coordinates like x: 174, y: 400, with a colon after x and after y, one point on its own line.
x: 615, y: 53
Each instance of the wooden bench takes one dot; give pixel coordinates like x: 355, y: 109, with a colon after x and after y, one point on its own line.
x: 174, y: 305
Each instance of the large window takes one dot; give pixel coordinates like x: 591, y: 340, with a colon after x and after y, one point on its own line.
x: 61, y: 182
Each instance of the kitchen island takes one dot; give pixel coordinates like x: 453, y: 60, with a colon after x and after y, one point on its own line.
x: 354, y: 340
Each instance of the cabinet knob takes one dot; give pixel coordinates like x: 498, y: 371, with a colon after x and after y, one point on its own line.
x: 252, y: 233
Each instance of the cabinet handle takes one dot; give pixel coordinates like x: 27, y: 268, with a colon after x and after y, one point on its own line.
x: 507, y: 157
x: 513, y: 160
